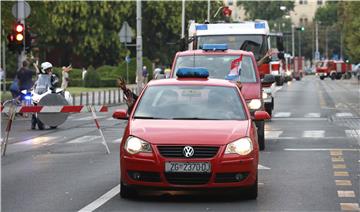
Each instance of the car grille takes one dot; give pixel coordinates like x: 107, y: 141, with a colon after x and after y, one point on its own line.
x: 188, y: 178
x: 177, y: 151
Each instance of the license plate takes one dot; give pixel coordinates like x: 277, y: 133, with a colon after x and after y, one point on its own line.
x: 187, y: 167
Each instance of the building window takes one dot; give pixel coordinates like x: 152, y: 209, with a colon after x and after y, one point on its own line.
x: 301, y: 21
x: 230, y: 2
x: 300, y: 1
x: 319, y: 2
x: 305, y: 21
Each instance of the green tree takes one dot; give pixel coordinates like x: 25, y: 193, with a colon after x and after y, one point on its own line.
x: 266, y: 10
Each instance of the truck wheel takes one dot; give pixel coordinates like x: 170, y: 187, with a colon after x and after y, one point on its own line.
x: 127, y: 192
x: 322, y: 77
x: 297, y: 78
x: 261, y: 134
x: 333, y: 76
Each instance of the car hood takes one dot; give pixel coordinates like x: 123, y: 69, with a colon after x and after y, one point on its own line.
x: 194, y: 132
x: 251, y: 91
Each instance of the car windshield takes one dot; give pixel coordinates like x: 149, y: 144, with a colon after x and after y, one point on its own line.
x: 219, y: 66
x: 190, y: 103
x: 254, y: 43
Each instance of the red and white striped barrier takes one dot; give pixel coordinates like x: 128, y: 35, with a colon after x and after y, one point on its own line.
x: 12, y: 110
x: 55, y: 109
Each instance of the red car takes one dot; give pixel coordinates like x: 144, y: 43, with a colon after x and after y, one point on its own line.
x: 189, y: 133
x: 220, y: 61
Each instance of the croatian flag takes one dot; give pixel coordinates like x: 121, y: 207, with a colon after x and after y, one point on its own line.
x: 235, y: 70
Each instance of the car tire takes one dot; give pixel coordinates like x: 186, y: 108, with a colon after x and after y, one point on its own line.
x: 127, y: 192
x: 333, y: 76
x: 253, y: 190
x: 261, y: 134
x: 268, y: 108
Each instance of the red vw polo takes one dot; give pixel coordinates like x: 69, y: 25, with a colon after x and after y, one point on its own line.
x: 190, y: 132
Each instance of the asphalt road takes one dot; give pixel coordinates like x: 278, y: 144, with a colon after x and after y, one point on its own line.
x: 311, y: 161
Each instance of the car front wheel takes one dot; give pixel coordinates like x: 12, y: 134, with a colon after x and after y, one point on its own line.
x: 261, y: 134
x: 127, y: 192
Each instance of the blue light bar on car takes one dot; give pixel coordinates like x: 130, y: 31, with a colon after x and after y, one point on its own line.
x: 259, y: 25
x: 192, y: 73
x: 201, y: 27
x: 215, y: 47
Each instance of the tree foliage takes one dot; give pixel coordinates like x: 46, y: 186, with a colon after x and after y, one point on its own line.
x: 266, y: 10
x: 351, y: 27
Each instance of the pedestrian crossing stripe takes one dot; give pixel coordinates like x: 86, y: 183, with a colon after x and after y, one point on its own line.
x: 282, y: 114
x: 313, y: 134
x: 344, y: 115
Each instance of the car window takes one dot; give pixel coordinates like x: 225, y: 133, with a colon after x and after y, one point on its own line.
x: 191, y: 102
x: 219, y: 66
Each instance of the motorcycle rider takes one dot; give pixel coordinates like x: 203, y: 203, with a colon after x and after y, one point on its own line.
x: 46, y: 80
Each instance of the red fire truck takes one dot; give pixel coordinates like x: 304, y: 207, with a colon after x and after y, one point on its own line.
x: 297, y: 65
x: 332, y: 68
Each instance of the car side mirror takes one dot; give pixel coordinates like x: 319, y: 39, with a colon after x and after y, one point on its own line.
x: 120, y: 114
x: 261, y: 115
x: 268, y: 79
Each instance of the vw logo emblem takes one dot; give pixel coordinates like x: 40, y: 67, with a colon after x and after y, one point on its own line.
x: 188, y: 151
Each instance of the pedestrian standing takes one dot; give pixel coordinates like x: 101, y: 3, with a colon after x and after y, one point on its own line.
x: 84, y: 71
x: 24, y: 76
x: 65, y: 77
x: 144, y: 74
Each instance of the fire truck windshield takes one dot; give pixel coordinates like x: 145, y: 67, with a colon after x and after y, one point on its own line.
x: 254, y: 43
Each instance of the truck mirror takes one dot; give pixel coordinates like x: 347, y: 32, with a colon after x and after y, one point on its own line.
x: 280, y: 43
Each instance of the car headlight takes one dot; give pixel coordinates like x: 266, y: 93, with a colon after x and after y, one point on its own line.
x: 135, y: 145
x: 254, y: 104
x: 264, y: 95
x: 288, y: 73
x: 242, y: 146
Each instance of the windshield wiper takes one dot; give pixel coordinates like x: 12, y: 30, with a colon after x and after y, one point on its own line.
x: 194, y: 118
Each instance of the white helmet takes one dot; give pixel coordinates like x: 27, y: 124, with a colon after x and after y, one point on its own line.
x: 44, y: 66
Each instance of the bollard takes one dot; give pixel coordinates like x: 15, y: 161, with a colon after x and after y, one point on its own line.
x: 99, y: 97
x: 121, y: 96
x: 114, y: 96
x: 93, y: 97
x: 109, y: 95
x: 104, y: 97
x: 81, y: 101
x: 87, y: 98
x: 73, y: 100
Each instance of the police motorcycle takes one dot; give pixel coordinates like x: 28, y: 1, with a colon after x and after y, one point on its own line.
x: 45, y: 93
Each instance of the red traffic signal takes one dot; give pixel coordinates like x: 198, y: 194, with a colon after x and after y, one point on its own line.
x: 227, y: 11
x: 19, y: 32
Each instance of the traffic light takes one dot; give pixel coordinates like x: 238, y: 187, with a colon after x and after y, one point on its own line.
x: 19, y: 32
x: 301, y: 28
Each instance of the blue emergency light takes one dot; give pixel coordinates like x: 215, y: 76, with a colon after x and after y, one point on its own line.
x: 215, y: 47
x: 201, y: 27
x: 259, y: 25
x: 188, y: 72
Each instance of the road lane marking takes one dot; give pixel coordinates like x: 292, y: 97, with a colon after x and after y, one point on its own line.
x: 335, y: 152
x: 341, y: 174
x: 352, y: 133
x: 321, y: 149
x: 298, y: 119
x: 344, y: 115
x: 272, y: 134
x: 337, y: 159
x: 88, y: 118
x: 312, y: 115
x: 41, y: 140
x: 263, y: 167
x: 282, y: 115
x: 339, y: 166
x: 118, y: 140
x: 313, y: 134
x: 346, y: 193
x: 343, y: 182
x: 101, y: 200
x: 349, y: 206
x: 84, y: 139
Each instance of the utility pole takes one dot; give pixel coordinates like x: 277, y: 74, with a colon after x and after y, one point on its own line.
x: 299, y: 43
x: 208, y: 12
x: 326, y: 42
x: 317, y: 54
x: 183, y: 19
x: 293, y: 40
x: 139, y: 61
x: 3, y: 63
